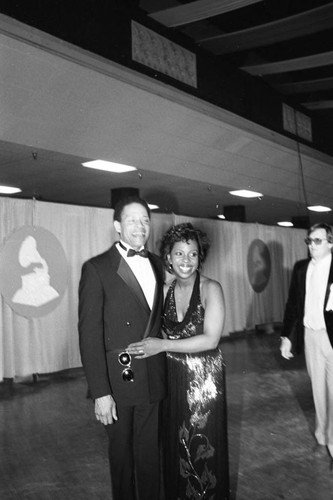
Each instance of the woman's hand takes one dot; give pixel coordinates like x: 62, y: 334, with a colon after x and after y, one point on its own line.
x: 146, y: 348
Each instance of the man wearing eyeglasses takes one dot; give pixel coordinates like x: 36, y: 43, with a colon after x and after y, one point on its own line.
x: 120, y: 302
x: 308, y: 322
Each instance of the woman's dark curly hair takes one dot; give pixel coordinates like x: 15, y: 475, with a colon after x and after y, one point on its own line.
x: 183, y: 232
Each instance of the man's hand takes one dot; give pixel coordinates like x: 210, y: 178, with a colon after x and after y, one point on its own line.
x: 106, y: 410
x: 285, y: 348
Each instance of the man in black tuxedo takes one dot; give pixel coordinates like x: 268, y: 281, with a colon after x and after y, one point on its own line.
x: 120, y: 302
x: 308, y: 322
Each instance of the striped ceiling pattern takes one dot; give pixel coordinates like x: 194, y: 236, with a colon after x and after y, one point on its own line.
x: 287, y: 43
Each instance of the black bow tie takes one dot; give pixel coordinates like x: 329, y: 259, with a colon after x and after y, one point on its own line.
x: 141, y: 253
x: 131, y: 252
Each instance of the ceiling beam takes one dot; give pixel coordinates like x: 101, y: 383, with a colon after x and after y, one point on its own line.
x: 306, y: 23
x: 318, y: 105
x: 196, y: 11
x: 297, y: 64
x: 306, y: 86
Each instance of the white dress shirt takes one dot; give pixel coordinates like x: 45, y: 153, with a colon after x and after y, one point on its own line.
x: 316, y: 285
x: 143, y: 272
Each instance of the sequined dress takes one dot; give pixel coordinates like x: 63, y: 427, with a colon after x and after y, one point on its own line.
x: 194, y: 414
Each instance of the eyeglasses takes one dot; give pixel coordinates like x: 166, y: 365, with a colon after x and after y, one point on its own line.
x: 125, y: 359
x: 316, y: 241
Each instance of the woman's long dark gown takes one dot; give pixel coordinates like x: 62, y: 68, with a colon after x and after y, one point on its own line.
x: 194, y: 416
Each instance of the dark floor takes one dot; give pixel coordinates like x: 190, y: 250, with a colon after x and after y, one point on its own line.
x: 51, y: 448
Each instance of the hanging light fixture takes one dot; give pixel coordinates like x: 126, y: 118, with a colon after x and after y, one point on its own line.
x: 9, y: 190
x: 246, y: 193
x: 313, y: 208
x: 319, y: 208
x: 285, y: 223
x: 109, y: 166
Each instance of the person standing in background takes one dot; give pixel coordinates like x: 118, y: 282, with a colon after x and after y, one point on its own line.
x: 120, y: 302
x: 308, y: 322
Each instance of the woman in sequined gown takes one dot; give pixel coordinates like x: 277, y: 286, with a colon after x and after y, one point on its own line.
x: 195, y: 444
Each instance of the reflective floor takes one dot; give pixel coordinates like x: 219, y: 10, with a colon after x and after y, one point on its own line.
x: 51, y: 447
x: 271, y: 421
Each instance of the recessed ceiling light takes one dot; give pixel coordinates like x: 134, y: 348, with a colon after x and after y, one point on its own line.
x: 9, y: 190
x: 246, y: 193
x: 285, y: 223
x: 152, y: 206
x: 109, y: 166
x: 319, y: 208
x: 221, y: 216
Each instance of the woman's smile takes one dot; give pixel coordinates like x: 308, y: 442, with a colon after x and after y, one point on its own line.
x: 184, y: 258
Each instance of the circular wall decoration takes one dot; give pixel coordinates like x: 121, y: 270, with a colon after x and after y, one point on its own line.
x: 258, y: 265
x: 33, y: 271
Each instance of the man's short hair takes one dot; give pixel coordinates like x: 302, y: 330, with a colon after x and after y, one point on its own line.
x: 128, y: 200
x: 323, y: 225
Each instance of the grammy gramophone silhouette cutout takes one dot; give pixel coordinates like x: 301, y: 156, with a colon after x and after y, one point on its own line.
x: 36, y: 289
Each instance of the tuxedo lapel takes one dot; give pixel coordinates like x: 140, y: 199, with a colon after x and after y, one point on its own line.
x: 157, y: 298
x: 302, y: 277
x: 126, y: 274
x: 329, y: 283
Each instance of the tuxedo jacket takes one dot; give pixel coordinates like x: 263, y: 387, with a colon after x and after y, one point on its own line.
x: 113, y: 312
x: 294, y: 313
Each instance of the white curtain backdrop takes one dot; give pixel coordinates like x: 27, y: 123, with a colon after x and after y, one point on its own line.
x: 227, y: 263
x: 50, y: 343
